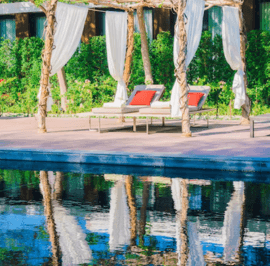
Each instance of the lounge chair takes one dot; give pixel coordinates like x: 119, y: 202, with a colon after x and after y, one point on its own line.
x: 109, y: 109
x: 163, y: 109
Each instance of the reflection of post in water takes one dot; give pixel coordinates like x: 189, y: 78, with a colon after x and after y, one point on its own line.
x: 239, y: 258
x: 58, y: 186
x: 146, y: 186
x: 243, y: 224
x: 182, y: 216
x: 48, y: 210
x: 133, y: 210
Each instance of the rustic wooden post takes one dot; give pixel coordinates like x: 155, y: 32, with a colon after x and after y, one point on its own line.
x: 63, y: 87
x: 144, y: 47
x: 48, y: 211
x: 181, y: 75
x: 130, y: 45
x: 243, y: 38
x: 46, y: 65
x: 133, y: 210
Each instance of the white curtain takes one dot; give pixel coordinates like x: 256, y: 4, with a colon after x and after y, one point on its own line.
x: 116, y: 43
x: 119, y: 229
x: 232, y: 221
x: 231, y: 46
x: 194, y: 21
x: 195, y: 256
x: 70, y: 23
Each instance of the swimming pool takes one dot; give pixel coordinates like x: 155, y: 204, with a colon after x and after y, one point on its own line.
x: 101, y: 215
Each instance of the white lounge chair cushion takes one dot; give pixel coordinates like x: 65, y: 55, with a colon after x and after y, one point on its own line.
x: 161, y: 105
x: 112, y: 105
x: 118, y: 110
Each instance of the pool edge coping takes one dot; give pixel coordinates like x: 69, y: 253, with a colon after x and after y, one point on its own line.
x: 165, y: 160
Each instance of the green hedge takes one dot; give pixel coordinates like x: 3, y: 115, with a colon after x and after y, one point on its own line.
x: 90, y: 84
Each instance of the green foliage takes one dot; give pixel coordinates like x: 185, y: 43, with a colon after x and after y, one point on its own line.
x: 90, y: 84
x: 161, y: 61
x: 18, y: 178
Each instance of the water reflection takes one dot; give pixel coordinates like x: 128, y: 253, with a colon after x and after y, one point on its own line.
x: 131, y: 220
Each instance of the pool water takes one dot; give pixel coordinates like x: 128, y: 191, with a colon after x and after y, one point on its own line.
x: 57, y: 218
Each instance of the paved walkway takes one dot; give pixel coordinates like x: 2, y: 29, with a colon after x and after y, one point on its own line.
x: 222, y: 138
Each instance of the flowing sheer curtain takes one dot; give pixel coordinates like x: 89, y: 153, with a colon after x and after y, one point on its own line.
x: 194, y: 21
x: 231, y: 231
x: 119, y: 228
x: 70, y: 23
x: 231, y: 46
x: 116, y: 43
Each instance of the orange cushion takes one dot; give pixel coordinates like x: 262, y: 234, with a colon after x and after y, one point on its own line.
x: 143, y: 97
x: 194, y: 98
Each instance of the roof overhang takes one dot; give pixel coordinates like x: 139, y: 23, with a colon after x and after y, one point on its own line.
x: 21, y: 7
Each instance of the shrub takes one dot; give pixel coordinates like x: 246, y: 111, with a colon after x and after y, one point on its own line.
x: 90, y: 84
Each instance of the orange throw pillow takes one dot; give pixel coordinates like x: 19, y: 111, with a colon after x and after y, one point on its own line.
x: 194, y: 98
x: 143, y: 98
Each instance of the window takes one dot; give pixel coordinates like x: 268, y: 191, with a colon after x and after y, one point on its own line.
x: 265, y: 16
x: 8, y: 27
x: 174, y: 17
x: 215, y: 20
x: 37, y: 25
x: 148, y: 19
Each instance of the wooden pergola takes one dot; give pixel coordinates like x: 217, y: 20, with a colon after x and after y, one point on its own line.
x: 130, y: 5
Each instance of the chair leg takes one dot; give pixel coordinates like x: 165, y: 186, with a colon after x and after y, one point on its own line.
x: 147, y: 126
x: 99, y: 124
x: 251, y: 128
x: 163, y: 121
x: 134, y: 124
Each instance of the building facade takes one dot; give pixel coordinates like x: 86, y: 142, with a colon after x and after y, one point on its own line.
x: 20, y: 20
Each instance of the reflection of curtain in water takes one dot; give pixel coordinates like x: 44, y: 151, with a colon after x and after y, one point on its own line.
x: 74, y: 247
x: 119, y: 229
x: 186, y: 232
x: 231, y: 230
